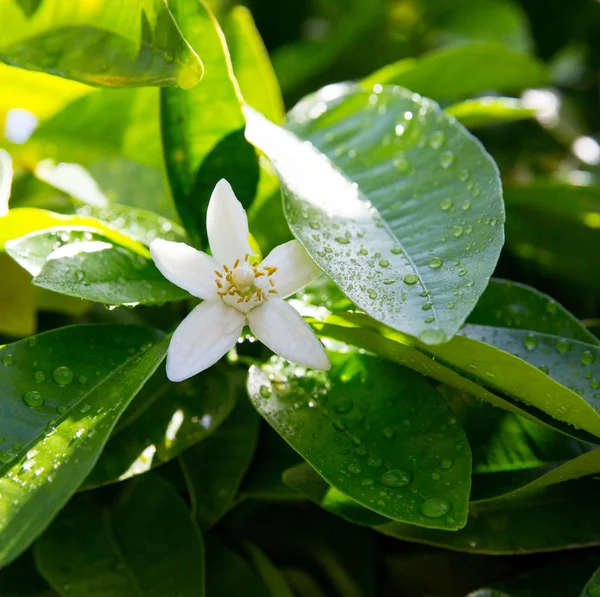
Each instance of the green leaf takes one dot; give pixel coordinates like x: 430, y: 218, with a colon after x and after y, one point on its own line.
x: 389, y: 454
x: 307, y: 481
x: 395, y: 201
x: 110, y: 44
x: 476, y: 368
x: 592, y: 587
x: 544, y: 220
x: 485, y: 111
x: 462, y: 71
x: 264, y: 479
x: 561, y: 517
x: 81, y: 263
x: 512, y: 305
x: 215, y: 467
x: 165, y: 419
x: 6, y: 176
x: 21, y: 579
x: 272, y: 577
x: 229, y: 574
x: 145, y: 545
x: 125, y: 226
x: 251, y: 64
x: 63, y: 392
x: 203, y: 128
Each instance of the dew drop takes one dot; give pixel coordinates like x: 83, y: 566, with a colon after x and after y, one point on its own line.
x: 384, y: 263
x: 396, y: 478
x: 343, y: 406
x: 33, y: 399
x: 446, y: 464
x: 466, y: 204
x: 265, y: 391
x: 436, y: 476
x: 62, y: 375
x: 531, y: 342
x: 187, y: 78
x: 79, y: 275
x: 458, y: 231
x: 388, y: 433
x: 435, y: 263
x: 587, y: 357
x: 355, y: 469
x: 374, y: 461
x: 85, y: 408
x: 39, y: 376
x: 435, y: 508
x: 563, y: 346
x: 342, y: 240
x: 61, y: 409
x: 397, y: 251
x: 432, y: 337
x: 446, y: 204
x: 437, y: 139
x: 446, y: 159
x: 315, y: 225
x: 411, y: 279
x: 7, y: 359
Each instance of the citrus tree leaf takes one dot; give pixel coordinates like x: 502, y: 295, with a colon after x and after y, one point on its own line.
x: 215, y: 467
x: 592, y: 587
x: 165, y: 419
x: 110, y: 44
x: 202, y: 129
x: 82, y: 263
x: 462, y: 71
x: 94, y: 550
x: 478, y: 369
x: 484, y: 111
x: 63, y: 392
x: 390, y: 454
x: 394, y: 200
x: 561, y: 517
x: 512, y: 305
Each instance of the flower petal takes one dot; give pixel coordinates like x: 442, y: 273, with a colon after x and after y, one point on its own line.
x: 279, y: 327
x: 186, y: 267
x: 202, y: 338
x: 295, y: 269
x: 226, y: 225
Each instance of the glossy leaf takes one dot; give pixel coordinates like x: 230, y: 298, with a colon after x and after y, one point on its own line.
x: 82, y: 263
x: 485, y: 111
x: 251, y: 64
x: 63, y: 392
x: 385, y: 454
x: 128, y: 227
x: 462, y: 71
x: 215, y: 467
x: 508, y: 304
x: 561, y: 517
x: 478, y: 369
x: 395, y: 201
x: 165, y: 419
x: 6, y: 176
x: 111, y: 44
x: 145, y: 544
x: 202, y: 129
x: 592, y: 586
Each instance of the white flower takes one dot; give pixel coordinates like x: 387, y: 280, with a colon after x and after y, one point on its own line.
x: 236, y: 290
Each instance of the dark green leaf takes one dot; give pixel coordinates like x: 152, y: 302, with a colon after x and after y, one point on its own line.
x: 110, y: 44
x: 462, y: 71
x: 404, y: 456
x: 397, y: 203
x: 21, y: 579
x: 214, y: 468
x: 271, y: 576
x: 561, y: 517
x: 592, y: 587
x: 62, y: 393
x: 165, y: 419
x: 203, y: 128
x: 82, y: 263
x: 145, y: 545
x: 508, y: 304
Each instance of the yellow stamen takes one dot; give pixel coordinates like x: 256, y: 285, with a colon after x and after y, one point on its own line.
x: 237, y: 262
x: 271, y: 282
x: 226, y: 268
x: 246, y: 257
x: 272, y: 291
x: 222, y: 293
x: 218, y: 273
x: 219, y: 285
x: 240, y: 300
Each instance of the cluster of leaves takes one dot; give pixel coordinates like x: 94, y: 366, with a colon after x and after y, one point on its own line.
x: 461, y: 411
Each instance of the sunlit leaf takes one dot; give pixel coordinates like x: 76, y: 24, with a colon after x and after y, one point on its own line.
x: 63, y: 392
x: 110, y: 44
x: 397, y: 203
x: 484, y: 111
